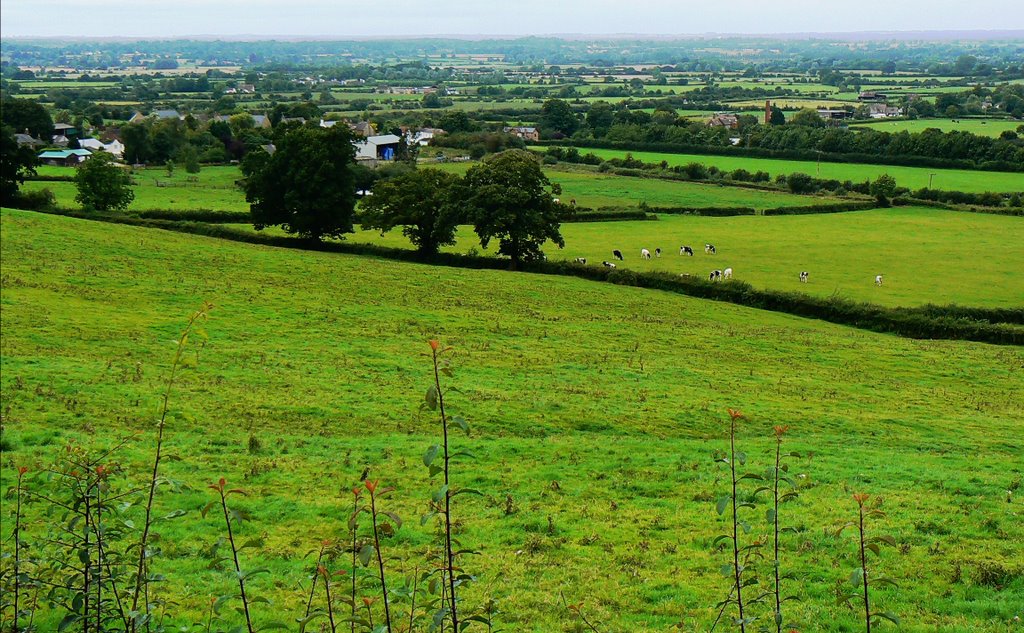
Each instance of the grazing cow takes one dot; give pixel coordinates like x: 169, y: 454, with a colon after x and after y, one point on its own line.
x: 657, y: 252
x: 686, y: 250
x: 646, y: 254
x: 709, y: 249
x: 555, y: 200
x: 878, y: 280
x: 803, y: 276
x: 581, y: 260
x: 573, y: 202
x: 617, y: 254
x: 727, y: 273
x: 716, y: 275
x: 608, y: 264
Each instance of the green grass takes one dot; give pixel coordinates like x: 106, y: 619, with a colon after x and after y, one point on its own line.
x: 972, y: 181
x: 924, y: 255
x: 212, y: 188
x: 981, y: 127
x: 615, y: 394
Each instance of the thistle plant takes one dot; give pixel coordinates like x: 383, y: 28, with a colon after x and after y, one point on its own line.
x: 860, y: 580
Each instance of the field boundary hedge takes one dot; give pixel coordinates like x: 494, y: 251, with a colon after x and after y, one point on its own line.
x: 928, y: 322
x: 789, y: 154
x: 841, y: 207
x: 711, y: 212
x: 903, y: 201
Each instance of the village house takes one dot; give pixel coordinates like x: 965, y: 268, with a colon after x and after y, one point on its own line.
x: 871, y: 95
x: 115, y: 147
x: 834, y: 114
x: 27, y: 140
x: 724, y: 119
x: 525, y: 133
x: 883, y: 111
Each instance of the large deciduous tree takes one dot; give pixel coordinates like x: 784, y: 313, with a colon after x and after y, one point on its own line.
x: 509, y: 198
x: 25, y: 114
x: 557, y: 117
x: 16, y: 163
x: 307, y: 186
x: 102, y: 185
x: 423, y: 202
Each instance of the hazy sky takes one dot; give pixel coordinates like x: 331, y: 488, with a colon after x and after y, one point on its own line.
x: 169, y: 18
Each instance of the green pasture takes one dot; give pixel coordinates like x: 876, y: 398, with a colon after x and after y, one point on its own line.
x: 924, y: 255
x: 212, y: 188
x: 595, y: 414
x: 973, y: 181
x: 981, y: 127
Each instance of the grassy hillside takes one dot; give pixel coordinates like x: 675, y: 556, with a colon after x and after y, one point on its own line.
x: 972, y: 181
x: 595, y: 413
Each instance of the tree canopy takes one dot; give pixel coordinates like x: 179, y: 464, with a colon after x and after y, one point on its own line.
x: 25, y: 114
x: 422, y: 202
x: 510, y: 199
x: 16, y: 163
x: 308, y: 185
x: 557, y: 117
x: 102, y: 185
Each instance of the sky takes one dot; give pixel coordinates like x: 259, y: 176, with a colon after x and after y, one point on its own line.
x: 377, y: 18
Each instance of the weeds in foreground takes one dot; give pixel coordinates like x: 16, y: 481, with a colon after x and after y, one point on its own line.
x: 860, y: 580
x: 780, y: 474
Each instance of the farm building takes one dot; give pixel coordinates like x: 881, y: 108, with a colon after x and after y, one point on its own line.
x: 27, y: 139
x: 381, y: 147
x: 64, y: 157
x: 883, y: 111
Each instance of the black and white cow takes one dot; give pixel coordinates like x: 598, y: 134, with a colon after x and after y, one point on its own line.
x: 803, y: 276
x: 617, y: 254
x: 608, y: 264
x: 644, y: 253
x: 581, y: 260
x: 878, y: 280
x: 657, y: 252
x: 686, y: 250
x: 716, y: 275
x: 709, y: 249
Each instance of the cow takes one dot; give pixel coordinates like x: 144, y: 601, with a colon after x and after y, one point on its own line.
x: 617, y: 254
x: 581, y: 260
x: 572, y: 202
x: 686, y: 250
x: 608, y: 264
x: 709, y: 249
x: 555, y: 200
x: 878, y: 280
x: 727, y: 273
x: 803, y: 276
x: 716, y: 275
x: 646, y: 254
x: 657, y: 252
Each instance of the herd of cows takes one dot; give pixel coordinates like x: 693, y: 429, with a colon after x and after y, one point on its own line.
x: 714, y: 275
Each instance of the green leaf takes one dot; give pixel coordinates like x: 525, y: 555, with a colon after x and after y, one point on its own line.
x: 253, y: 542
x: 723, y: 503
x: 431, y: 453
x: 888, y: 616
x: 364, y: 554
x: 770, y: 515
x: 439, y: 496
x: 726, y: 570
x: 68, y: 620
x: 857, y: 577
x: 431, y: 398
x: 467, y: 491
x: 741, y: 457
x: 460, y: 422
x: 394, y: 517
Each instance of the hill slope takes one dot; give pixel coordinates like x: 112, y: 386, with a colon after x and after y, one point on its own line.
x: 595, y: 412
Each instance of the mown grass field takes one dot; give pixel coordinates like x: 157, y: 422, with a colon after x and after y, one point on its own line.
x: 595, y: 413
x: 972, y: 181
x: 924, y: 255
x: 212, y: 188
x: 981, y: 127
